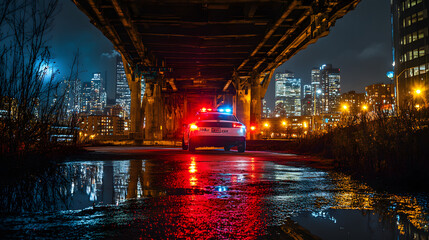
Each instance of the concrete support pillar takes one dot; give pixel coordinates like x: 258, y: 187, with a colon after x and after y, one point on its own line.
x: 154, y: 112
x: 136, y: 115
x: 136, y: 107
x: 255, y: 109
x: 242, y: 106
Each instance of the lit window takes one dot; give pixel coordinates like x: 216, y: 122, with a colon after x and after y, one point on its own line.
x: 420, y: 15
x: 421, y: 34
x: 422, y: 69
x: 414, y: 18
x: 416, y: 71
x: 416, y: 53
x: 414, y: 36
x: 421, y: 52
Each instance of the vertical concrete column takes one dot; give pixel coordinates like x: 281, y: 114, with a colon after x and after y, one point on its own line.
x: 255, y: 109
x: 135, y: 85
x: 242, y: 106
x: 136, y: 108
x: 154, y: 110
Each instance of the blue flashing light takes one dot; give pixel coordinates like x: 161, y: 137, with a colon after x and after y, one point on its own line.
x: 221, y: 110
x: 228, y: 110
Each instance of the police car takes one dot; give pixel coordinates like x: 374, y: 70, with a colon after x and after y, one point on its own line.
x: 215, y: 128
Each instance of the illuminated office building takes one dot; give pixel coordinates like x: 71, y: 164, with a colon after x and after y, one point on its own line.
x: 287, y: 95
x: 410, y: 49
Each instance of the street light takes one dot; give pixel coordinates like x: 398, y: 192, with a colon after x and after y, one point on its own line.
x: 364, y: 107
x: 345, y: 107
x: 418, y: 91
x: 284, y: 123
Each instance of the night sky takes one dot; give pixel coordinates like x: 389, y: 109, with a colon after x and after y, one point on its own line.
x: 359, y: 44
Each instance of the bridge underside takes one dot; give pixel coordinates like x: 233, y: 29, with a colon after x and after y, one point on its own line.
x: 212, y: 52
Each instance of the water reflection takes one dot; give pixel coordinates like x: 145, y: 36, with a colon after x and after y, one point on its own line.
x: 204, y: 196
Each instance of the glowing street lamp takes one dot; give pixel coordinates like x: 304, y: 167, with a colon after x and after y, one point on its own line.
x: 418, y: 106
x: 284, y: 123
x: 364, y: 107
x: 305, y: 124
x: 345, y: 107
x: 418, y: 91
x: 266, y: 125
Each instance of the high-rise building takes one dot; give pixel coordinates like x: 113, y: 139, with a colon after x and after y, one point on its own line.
x: 86, y: 97
x: 306, y: 90
x: 307, y: 101
x: 123, y: 94
x: 266, y: 111
x: 288, y: 95
x: 98, y: 94
x: 380, y: 97
x: 410, y: 25
x: 74, y: 96
x: 316, y: 91
x: 327, y: 89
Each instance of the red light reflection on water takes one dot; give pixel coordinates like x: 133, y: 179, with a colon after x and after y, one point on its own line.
x: 223, y: 204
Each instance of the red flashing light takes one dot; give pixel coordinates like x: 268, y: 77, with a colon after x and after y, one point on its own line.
x: 237, y: 125
x: 252, y: 128
x: 209, y: 110
x: 203, y: 109
x: 193, y: 127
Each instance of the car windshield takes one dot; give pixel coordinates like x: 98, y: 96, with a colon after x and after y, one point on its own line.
x: 225, y: 117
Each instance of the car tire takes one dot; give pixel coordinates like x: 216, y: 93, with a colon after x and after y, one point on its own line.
x: 227, y: 148
x: 241, y: 147
x: 191, y: 146
x: 184, y: 146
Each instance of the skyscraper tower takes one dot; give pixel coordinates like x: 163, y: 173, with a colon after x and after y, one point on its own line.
x: 410, y: 25
x: 316, y: 91
x: 74, y: 96
x: 288, y: 95
x: 330, y: 87
x: 98, y: 94
x: 123, y: 94
x: 86, y: 97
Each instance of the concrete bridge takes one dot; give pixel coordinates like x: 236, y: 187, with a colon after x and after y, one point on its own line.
x: 195, y: 53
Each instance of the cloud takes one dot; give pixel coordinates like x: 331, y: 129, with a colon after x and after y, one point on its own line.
x: 373, y: 50
x: 113, y: 54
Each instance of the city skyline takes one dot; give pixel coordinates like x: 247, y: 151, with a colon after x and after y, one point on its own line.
x: 347, y: 47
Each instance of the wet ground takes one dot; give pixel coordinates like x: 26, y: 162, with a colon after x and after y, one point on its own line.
x: 141, y: 192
